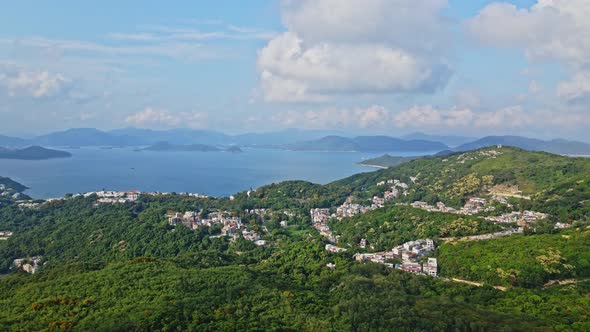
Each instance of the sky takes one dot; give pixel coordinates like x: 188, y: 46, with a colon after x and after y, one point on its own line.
x: 360, y: 66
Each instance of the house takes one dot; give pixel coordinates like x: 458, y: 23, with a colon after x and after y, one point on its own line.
x: 333, y: 248
x: 260, y: 243
x: 29, y: 265
x: 431, y: 267
x: 411, y: 267
x: 363, y: 243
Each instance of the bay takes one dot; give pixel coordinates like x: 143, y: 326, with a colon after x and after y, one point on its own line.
x: 210, y: 173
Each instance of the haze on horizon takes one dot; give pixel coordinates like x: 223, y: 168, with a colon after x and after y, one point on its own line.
x: 392, y: 67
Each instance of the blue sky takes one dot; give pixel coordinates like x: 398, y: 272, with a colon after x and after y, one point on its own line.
x: 375, y: 66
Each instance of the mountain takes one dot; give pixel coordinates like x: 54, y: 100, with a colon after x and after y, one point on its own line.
x: 9, y: 183
x: 85, y: 137
x: 385, y: 161
x: 167, y: 147
x: 286, y: 136
x: 366, y: 144
x: 174, y: 136
x: 451, y: 141
x: 145, y: 137
x: 557, y: 146
x: 8, y: 141
x: 33, y: 153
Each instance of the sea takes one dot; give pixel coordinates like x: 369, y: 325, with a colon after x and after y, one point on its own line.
x: 210, y: 173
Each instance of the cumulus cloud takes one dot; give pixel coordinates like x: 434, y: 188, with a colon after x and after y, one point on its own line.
x: 429, y: 117
x: 577, y: 89
x: 37, y: 84
x: 374, y: 116
x: 152, y: 117
x: 336, y: 47
x: 556, y: 29
x: 419, y: 117
x: 550, y: 29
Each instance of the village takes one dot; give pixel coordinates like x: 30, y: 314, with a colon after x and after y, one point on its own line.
x: 231, y: 226
x: 103, y: 197
x: 410, y: 253
x: 413, y: 254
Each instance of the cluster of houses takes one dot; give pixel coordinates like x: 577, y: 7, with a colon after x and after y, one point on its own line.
x: 333, y: 248
x: 349, y: 209
x: 474, y: 205
x: 488, y: 236
x: 5, y: 235
x: 491, y: 154
x: 319, y: 219
x: 259, y: 212
x: 231, y: 226
x: 28, y: 205
x: 29, y: 265
x: 396, y: 189
x: 112, y: 197
x: 478, y: 205
x: 410, y: 253
x: 523, y: 219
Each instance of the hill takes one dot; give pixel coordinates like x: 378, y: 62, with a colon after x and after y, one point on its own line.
x: 84, y: 137
x: 451, y: 141
x: 167, y: 147
x: 557, y: 146
x: 366, y: 144
x: 11, y: 142
x: 33, y: 153
x: 555, y: 184
x: 385, y: 161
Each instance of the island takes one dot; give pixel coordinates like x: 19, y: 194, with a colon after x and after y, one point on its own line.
x: 385, y: 161
x: 365, y: 144
x: 168, y: 147
x: 32, y: 153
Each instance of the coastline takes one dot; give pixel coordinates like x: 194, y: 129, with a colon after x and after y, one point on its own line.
x: 372, y: 166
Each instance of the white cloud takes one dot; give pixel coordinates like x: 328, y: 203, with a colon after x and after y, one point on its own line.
x: 371, y: 117
x: 161, y: 118
x: 419, y: 117
x: 429, y: 117
x: 556, y: 29
x: 160, y: 33
x: 337, y: 47
x: 577, y: 89
x: 19, y: 82
x: 173, y: 49
x: 551, y: 29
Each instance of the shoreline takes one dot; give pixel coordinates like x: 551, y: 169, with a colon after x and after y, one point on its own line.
x: 372, y: 166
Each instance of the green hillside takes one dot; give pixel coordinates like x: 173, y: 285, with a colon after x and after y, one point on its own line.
x: 560, y: 181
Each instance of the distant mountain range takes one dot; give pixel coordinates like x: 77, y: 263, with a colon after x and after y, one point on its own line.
x: 167, y: 147
x: 557, y: 146
x: 366, y: 144
x: 290, y: 139
x: 451, y: 141
x: 32, y: 153
x: 147, y: 137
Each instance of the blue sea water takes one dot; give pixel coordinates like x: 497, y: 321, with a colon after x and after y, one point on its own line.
x: 210, y: 173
